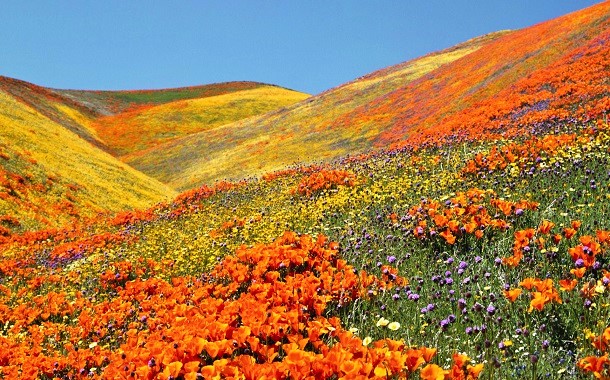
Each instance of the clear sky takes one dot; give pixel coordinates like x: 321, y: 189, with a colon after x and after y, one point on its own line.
x: 307, y: 45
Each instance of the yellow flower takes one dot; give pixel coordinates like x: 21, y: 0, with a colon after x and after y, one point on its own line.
x: 366, y: 341
x: 382, y: 322
x: 600, y: 288
x: 394, y: 326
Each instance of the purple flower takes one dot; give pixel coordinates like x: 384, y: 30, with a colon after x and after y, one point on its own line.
x: 498, y: 261
x: 391, y: 259
x: 478, y: 259
x: 449, y: 260
x: 396, y: 296
x: 463, y: 265
x: 447, y: 273
x: 449, y: 281
x: 491, y: 309
x: 579, y: 263
x: 413, y: 296
x: 519, y: 212
x: 451, y: 318
x: 461, y: 303
x: 444, y: 323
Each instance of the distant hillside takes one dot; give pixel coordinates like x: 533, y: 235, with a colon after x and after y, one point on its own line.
x: 133, y: 131
x: 50, y: 176
x: 295, y: 134
x: 491, y: 86
x: 61, y: 109
x: 57, y: 146
x: 114, y: 102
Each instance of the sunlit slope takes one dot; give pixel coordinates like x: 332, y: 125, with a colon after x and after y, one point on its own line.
x: 297, y: 133
x: 553, y: 70
x: 140, y: 129
x: 494, y: 86
x: 114, y: 102
x: 49, y: 175
x: 59, y: 108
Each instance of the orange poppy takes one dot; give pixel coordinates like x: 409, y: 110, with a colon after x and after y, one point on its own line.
x: 432, y: 372
x: 567, y: 285
x: 512, y: 294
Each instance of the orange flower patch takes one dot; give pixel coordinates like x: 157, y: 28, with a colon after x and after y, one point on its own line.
x: 467, y: 213
x: 261, y: 312
x: 324, y: 180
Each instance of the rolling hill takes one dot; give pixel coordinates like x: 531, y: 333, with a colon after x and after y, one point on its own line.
x: 491, y: 86
x: 50, y: 175
x: 56, y: 107
x: 115, y: 102
x: 59, y: 147
x: 132, y: 132
x: 474, y: 245
x: 294, y: 134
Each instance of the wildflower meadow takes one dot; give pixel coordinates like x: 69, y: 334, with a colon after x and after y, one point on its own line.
x: 455, y: 227
x: 487, y: 262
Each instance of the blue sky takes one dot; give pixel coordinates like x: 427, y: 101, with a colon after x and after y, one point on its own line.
x: 307, y: 45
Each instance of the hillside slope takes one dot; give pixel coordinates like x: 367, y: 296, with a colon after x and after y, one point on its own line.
x: 481, y: 253
x: 57, y: 146
x: 49, y: 175
x: 499, y: 248
x: 291, y: 135
x: 135, y: 131
x: 497, y: 85
x: 61, y: 109
x: 115, y: 102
